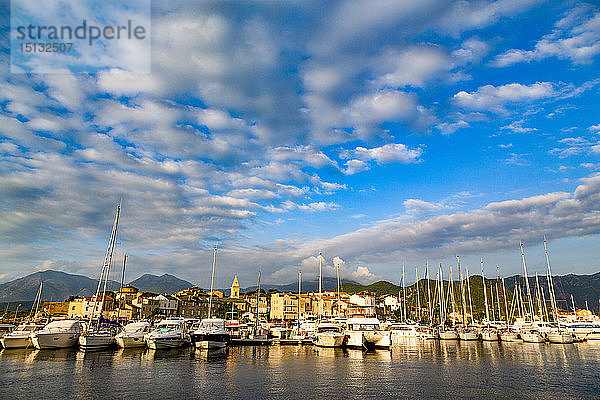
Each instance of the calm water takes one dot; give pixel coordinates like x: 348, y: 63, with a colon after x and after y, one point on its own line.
x: 415, y: 369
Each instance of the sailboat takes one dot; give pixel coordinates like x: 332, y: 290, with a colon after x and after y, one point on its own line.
x: 507, y: 334
x: 445, y: 331
x: 465, y: 333
x: 210, y: 333
x: 102, y: 335
x: 488, y: 334
x: 328, y: 334
x: 529, y: 333
x: 558, y: 335
x: 21, y: 337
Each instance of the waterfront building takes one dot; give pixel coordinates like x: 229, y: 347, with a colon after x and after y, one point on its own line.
x: 284, y: 306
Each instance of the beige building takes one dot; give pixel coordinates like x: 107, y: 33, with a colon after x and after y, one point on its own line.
x: 284, y: 306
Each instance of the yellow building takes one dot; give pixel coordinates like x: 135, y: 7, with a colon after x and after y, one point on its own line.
x: 284, y: 306
x: 235, y: 289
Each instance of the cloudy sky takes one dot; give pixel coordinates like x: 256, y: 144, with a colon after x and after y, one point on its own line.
x: 380, y: 132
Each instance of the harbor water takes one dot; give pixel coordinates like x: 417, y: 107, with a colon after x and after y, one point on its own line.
x: 412, y: 369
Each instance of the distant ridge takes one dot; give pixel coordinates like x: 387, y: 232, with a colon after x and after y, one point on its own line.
x: 165, y: 283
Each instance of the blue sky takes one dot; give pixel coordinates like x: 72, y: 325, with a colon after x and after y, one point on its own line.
x: 378, y: 132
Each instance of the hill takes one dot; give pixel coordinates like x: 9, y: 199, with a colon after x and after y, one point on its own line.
x: 165, y: 283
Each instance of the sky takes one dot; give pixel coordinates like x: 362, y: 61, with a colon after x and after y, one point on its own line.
x: 378, y: 132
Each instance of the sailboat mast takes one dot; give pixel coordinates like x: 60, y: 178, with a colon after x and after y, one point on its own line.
x: 487, y: 313
x: 337, y: 268
x: 320, y: 284
x: 428, y: 294
x: 452, y: 295
x: 121, y: 289
x: 462, y: 293
x: 403, y: 294
x: 36, y: 302
x: 106, y: 265
x: 505, y: 304
x: 442, y: 305
x: 418, y: 295
x: 529, y: 298
x: 212, y: 282
x: 470, y: 298
x: 257, y: 304
x: 539, y: 296
x: 299, y: 291
x: 551, y: 285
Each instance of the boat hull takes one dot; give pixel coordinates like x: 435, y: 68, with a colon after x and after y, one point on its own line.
x: 60, y: 340
x: 165, y: 343
x: 330, y: 339
x: 560, y: 337
x: 489, y: 336
x: 468, y: 336
x: 96, y: 341
x: 16, y: 342
x: 210, y: 340
x: 130, y: 341
x: 510, y: 337
x: 448, y: 335
x: 532, y: 337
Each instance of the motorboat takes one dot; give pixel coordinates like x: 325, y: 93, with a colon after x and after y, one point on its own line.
x: 582, y: 330
x: 364, y: 332
x: 103, y: 338
x: 58, y: 334
x: 401, y: 331
x: 329, y: 334
x: 132, y: 335
x: 20, y: 338
x: 169, y: 333
x: 210, y: 333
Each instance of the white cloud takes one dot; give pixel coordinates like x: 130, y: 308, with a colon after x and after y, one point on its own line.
x: 494, y: 98
x: 576, y: 37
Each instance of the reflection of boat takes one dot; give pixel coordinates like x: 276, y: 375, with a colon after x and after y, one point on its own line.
x: 132, y: 335
x: 20, y: 337
x: 329, y: 335
x: 168, y: 334
x: 365, y: 332
x: 210, y: 333
x: 58, y: 334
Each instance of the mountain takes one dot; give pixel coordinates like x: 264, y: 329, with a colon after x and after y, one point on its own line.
x: 58, y: 286
x: 307, y: 286
x: 160, y: 284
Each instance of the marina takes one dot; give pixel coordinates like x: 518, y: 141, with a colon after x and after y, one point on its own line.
x: 411, y: 369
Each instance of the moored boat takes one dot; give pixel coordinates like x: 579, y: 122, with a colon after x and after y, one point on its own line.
x: 366, y: 333
x: 329, y: 334
x: 132, y: 335
x: 20, y: 338
x: 210, y: 333
x: 168, y: 334
x: 58, y: 334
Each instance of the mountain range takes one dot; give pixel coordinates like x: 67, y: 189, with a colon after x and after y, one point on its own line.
x: 59, y: 286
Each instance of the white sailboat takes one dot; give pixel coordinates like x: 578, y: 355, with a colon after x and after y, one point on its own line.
x: 465, y: 332
x: 21, y: 337
x: 488, y: 334
x: 559, y: 334
x: 327, y: 334
x: 446, y: 332
x: 210, y: 333
x: 101, y: 336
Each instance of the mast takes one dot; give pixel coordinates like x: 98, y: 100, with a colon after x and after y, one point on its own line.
x: 487, y: 314
x: 418, y: 295
x: 257, y: 304
x: 428, y: 293
x: 403, y: 294
x: 452, y: 295
x: 442, y: 305
x: 551, y: 286
x: 337, y: 267
x: 470, y: 298
x: 505, y: 305
x: 36, y: 302
x: 299, y: 291
x: 462, y: 292
x: 106, y: 266
x: 320, y: 284
x: 539, y: 296
x: 529, y: 298
x: 121, y: 289
x: 574, y: 310
x: 212, y: 281
x: 498, y: 304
